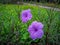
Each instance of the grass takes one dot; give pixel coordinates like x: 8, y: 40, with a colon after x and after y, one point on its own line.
x: 13, y: 30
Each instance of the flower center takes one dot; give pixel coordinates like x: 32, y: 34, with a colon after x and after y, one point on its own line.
x: 35, y: 29
x: 25, y: 14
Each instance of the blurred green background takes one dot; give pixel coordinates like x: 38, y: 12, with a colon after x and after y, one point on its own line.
x: 12, y: 30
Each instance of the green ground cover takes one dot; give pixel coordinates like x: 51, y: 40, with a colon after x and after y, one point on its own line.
x: 13, y: 30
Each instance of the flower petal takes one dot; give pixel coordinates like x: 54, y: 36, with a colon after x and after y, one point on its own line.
x: 26, y: 15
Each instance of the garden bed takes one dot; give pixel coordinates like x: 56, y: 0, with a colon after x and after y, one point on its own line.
x: 13, y: 30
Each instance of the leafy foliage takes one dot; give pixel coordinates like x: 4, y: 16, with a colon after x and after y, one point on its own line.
x: 14, y: 31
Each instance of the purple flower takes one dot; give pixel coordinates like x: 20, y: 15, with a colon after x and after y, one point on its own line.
x: 26, y: 15
x: 35, y: 30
